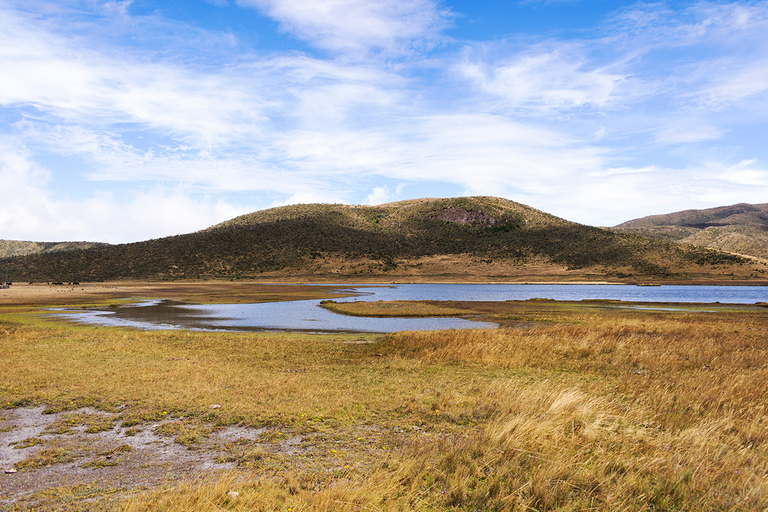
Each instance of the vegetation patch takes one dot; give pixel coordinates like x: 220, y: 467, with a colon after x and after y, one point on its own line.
x: 188, y: 434
x: 107, y: 458
x: 397, y: 308
x: 92, y: 422
x: 26, y: 443
x: 47, y: 456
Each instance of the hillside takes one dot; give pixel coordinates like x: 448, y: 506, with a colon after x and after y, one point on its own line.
x: 473, y: 238
x: 23, y: 248
x: 739, y: 229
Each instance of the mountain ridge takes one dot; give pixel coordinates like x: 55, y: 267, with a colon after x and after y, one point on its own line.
x: 741, y: 228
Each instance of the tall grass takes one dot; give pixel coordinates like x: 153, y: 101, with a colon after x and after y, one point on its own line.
x: 585, y: 410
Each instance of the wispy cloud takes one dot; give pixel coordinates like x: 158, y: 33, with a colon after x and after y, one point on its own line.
x: 623, y: 120
x: 358, y: 27
x: 544, y: 79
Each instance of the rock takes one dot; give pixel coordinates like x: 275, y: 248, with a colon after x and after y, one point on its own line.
x: 10, y: 470
x: 215, y: 406
x: 233, y: 494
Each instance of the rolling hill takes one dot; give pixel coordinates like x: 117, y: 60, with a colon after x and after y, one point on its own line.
x: 740, y: 228
x: 23, y: 248
x: 470, y: 238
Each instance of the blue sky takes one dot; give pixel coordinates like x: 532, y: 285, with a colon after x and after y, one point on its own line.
x: 128, y: 120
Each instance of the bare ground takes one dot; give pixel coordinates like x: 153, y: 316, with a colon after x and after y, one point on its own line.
x: 51, y: 461
x: 119, y: 459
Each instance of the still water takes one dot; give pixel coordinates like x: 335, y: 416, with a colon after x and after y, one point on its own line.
x: 306, y: 315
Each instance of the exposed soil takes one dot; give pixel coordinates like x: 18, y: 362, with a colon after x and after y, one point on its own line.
x: 39, y: 453
x: 52, y: 461
x: 112, y: 459
x: 462, y: 216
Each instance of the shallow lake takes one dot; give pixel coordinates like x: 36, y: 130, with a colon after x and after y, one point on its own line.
x: 306, y: 315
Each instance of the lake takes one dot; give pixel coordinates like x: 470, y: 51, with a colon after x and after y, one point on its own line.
x: 306, y: 315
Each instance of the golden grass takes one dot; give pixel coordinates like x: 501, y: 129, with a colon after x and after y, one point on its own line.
x: 585, y: 409
x: 393, y: 308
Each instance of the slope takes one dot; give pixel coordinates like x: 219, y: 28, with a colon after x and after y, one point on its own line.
x: 740, y: 228
x: 471, y: 238
x: 22, y: 248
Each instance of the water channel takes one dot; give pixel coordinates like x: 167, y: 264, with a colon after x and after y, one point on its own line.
x: 306, y: 315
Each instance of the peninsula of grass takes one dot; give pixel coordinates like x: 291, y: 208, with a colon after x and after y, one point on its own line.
x: 567, y: 407
x: 395, y: 308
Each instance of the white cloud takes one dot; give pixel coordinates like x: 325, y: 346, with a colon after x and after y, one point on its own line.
x: 746, y: 172
x: 31, y: 209
x: 625, y: 194
x: 310, y: 197
x: 689, y: 132
x: 356, y: 26
x: 727, y: 82
x: 544, y: 78
x: 77, y: 80
x: 380, y: 195
x: 482, y: 153
x: 25, y: 202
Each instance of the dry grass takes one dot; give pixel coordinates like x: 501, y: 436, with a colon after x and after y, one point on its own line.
x: 583, y: 409
x: 394, y: 308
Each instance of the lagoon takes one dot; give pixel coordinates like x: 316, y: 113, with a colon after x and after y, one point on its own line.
x: 306, y: 315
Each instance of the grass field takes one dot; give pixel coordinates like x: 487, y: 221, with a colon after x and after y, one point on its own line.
x: 568, y: 406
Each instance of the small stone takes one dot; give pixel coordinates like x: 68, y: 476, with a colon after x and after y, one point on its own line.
x: 215, y: 406
x: 233, y: 494
x: 10, y: 470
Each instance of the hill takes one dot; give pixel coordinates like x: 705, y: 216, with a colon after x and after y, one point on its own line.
x: 740, y: 228
x: 22, y: 248
x: 472, y: 238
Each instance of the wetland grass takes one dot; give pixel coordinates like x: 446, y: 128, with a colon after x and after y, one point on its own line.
x: 394, y: 308
x: 582, y: 409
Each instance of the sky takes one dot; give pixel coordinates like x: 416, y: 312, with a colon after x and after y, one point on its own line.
x: 123, y: 121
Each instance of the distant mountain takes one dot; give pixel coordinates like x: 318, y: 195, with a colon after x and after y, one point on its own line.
x: 469, y: 238
x: 740, y: 229
x: 21, y: 248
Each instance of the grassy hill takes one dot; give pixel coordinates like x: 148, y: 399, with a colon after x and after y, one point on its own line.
x: 473, y: 238
x: 739, y: 228
x: 22, y: 248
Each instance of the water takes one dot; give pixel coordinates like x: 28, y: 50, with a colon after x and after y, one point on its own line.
x: 628, y: 293
x: 301, y: 315
x: 306, y: 315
